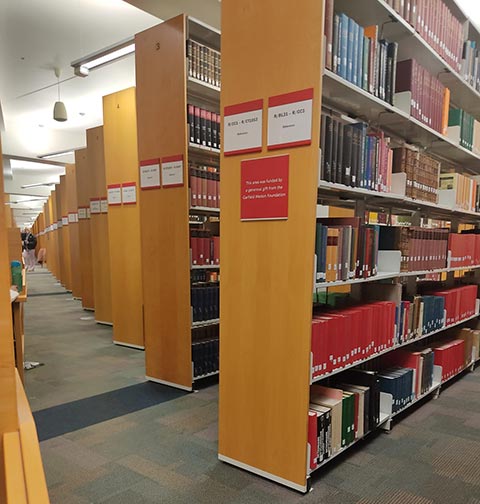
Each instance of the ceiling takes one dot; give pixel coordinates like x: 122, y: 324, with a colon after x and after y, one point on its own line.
x: 36, y: 37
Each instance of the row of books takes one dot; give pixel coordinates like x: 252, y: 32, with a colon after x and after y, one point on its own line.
x: 204, y: 248
x: 203, y: 63
x: 466, y: 193
x: 204, y: 126
x: 451, y: 356
x: 471, y: 338
x: 470, y: 69
x: 461, y: 129
x: 205, y: 303
x: 436, y: 24
x: 356, y: 54
x: 342, y: 413
x: 464, y: 249
x: 399, y: 383
x: 345, y: 249
x: 421, y: 248
x: 343, y: 337
x: 423, y: 94
x: 365, y: 330
x: 354, y: 155
x: 422, y: 172
x: 205, y: 357
x: 202, y: 276
x: 204, y: 186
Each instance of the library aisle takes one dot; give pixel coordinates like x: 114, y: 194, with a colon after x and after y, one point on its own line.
x: 107, y: 436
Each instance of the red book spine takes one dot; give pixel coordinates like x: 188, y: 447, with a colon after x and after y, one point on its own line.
x: 329, y: 13
x: 194, y: 247
x: 206, y: 250
x: 216, y: 249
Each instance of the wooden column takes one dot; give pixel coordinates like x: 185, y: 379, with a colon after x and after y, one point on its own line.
x: 73, y: 231
x: 99, y: 229
x: 65, y: 253
x: 121, y: 167
x: 267, y: 266
x: 84, y: 181
x: 160, y: 55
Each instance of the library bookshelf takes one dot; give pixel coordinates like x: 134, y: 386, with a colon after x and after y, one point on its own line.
x: 165, y: 87
x: 268, y: 265
x: 121, y: 170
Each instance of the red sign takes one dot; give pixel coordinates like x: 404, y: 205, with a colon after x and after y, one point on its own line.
x: 264, y: 188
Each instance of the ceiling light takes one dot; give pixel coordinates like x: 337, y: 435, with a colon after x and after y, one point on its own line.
x: 27, y: 186
x: 57, y: 154
x: 59, y: 109
x: 82, y: 66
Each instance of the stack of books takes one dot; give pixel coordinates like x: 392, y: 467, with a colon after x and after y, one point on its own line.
x: 461, y: 129
x: 205, y: 356
x: 464, y: 249
x: 204, y: 127
x: 470, y: 70
x: 203, y: 63
x: 451, y: 356
x: 204, y: 248
x: 466, y: 195
x: 204, y: 186
x: 205, y: 302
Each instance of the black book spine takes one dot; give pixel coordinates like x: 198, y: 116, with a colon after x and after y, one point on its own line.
x: 334, y: 150
x: 340, y: 167
x: 393, y: 54
x: 322, y: 146
x: 347, y: 154
x: 197, y: 124
x: 203, y: 126
x: 335, y: 45
x: 328, y: 148
x: 209, y: 128
x: 191, y: 123
x: 355, y: 155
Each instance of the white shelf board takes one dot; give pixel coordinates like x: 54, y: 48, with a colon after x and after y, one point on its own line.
x: 204, y: 323
x: 203, y: 209
x: 202, y: 88
x: 213, y: 373
x: 205, y: 266
x: 390, y: 349
x: 202, y: 148
x: 348, y: 97
x: 386, y: 199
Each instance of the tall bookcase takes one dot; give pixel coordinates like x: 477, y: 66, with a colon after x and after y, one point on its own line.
x: 84, y: 181
x: 268, y: 265
x: 121, y: 171
x: 164, y: 89
x: 99, y: 227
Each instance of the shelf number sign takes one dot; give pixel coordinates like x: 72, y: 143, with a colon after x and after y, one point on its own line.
x: 290, y: 119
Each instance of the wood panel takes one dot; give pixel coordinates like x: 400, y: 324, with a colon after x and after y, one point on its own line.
x: 99, y: 229
x: 14, y: 244
x: 9, y: 220
x: 121, y: 166
x: 73, y: 230
x: 162, y: 131
x: 267, y: 266
x: 8, y: 401
x: 65, y: 254
x: 84, y: 190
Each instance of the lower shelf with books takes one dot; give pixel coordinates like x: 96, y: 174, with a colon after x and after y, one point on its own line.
x: 385, y: 417
x: 395, y: 347
x: 204, y: 323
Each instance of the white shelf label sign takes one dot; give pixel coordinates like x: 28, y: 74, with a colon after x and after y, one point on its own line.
x: 150, y: 174
x: 242, y: 128
x: 82, y: 213
x: 172, y: 171
x: 129, y: 193
x: 95, y: 206
x: 65, y: 221
x: 103, y: 205
x: 72, y: 217
x: 290, y: 119
x: 114, y: 194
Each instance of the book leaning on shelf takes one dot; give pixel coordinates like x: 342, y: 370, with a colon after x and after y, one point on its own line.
x: 345, y: 249
x: 356, y: 54
x: 355, y: 155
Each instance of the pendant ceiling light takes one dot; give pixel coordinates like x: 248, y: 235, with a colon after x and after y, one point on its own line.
x: 59, y: 110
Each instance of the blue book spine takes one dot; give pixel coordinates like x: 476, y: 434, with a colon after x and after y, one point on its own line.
x: 350, y: 48
x: 360, y: 42
x: 355, y: 54
x: 343, y: 45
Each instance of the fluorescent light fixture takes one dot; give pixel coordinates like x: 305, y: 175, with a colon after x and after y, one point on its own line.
x: 57, y: 154
x: 40, y: 184
x: 82, y: 66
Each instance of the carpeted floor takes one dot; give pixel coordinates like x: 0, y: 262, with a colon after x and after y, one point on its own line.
x: 109, y: 437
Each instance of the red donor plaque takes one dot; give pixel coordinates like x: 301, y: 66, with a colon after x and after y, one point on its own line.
x: 264, y: 188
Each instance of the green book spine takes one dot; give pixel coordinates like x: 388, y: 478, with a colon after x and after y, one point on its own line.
x: 454, y: 117
x: 344, y: 421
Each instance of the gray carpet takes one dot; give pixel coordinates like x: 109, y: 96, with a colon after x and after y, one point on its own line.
x: 167, y: 453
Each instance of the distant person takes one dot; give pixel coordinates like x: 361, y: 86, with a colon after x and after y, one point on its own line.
x: 29, y: 244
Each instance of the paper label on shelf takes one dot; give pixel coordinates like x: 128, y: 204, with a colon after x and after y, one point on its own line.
x: 150, y: 174
x: 82, y: 213
x: 264, y: 188
x: 65, y: 220
x: 129, y: 193
x: 95, y: 206
x: 114, y: 194
x: 59, y: 224
x: 290, y: 119
x: 55, y: 226
x: 172, y: 171
x: 72, y: 217
x: 242, y: 128
x: 103, y: 205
